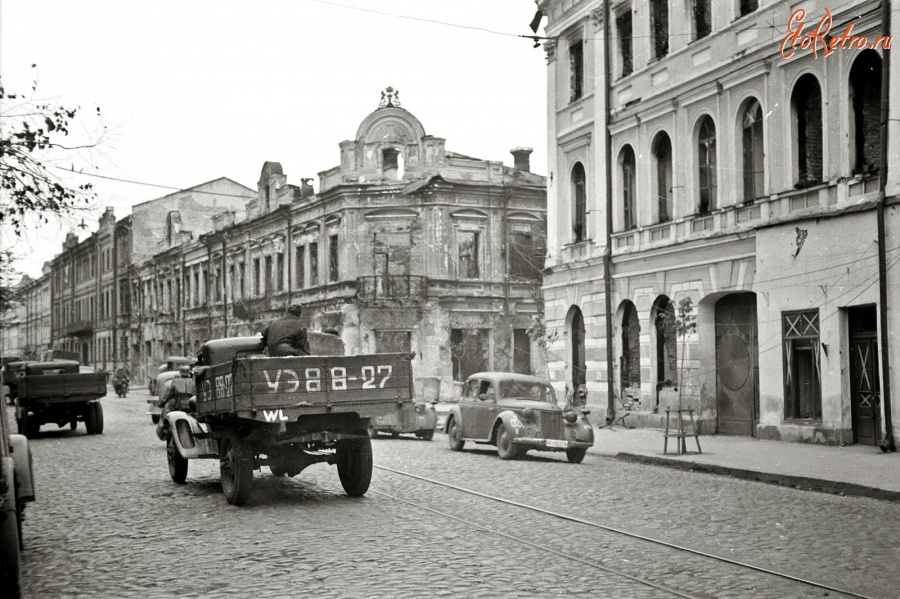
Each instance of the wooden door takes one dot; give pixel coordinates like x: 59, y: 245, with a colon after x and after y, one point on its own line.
x: 737, y: 365
x: 864, y: 384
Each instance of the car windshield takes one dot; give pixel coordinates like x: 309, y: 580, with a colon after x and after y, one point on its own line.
x: 527, y: 390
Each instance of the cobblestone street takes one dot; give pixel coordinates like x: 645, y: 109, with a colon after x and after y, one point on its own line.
x: 109, y: 522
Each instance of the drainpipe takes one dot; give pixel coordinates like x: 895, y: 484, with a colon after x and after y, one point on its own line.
x: 607, y: 253
x: 181, y: 303
x: 887, y: 443
x: 115, y: 300
x: 504, y: 245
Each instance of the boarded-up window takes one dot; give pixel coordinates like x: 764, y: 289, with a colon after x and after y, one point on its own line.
x: 627, y: 168
x: 469, y: 352
x: 268, y: 273
x: 387, y: 342
x: 802, y: 379
x: 313, y: 263
x: 300, y: 267
x: 521, y: 351
x: 258, y: 280
x: 279, y: 272
x: 807, y: 117
x: 469, y: 255
x: 702, y: 18
x: 865, y: 97
x: 659, y: 27
x: 623, y: 26
x: 576, y: 70
x: 579, y: 203
x: 524, y: 262
x: 333, y: 256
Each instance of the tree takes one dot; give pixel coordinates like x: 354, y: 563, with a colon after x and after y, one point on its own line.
x: 31, y: 144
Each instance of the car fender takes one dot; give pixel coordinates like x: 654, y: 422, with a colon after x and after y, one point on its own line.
x: 454, y: 412
x: 519, y: 427
x: 582, y: 429
x: 21, y: 455
x: 185, y: 431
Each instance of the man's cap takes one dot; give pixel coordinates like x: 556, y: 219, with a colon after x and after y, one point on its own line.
x: 295, y: 309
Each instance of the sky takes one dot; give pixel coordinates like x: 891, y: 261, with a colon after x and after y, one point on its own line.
x: 190, y: 91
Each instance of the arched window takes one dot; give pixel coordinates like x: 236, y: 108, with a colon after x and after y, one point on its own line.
x: 662, y: 153
x: 806, y: 109
x: 865, y: 101
x: 752, y: 149
x: 706, y: 164
x: 626, y: 170
x: 579, y: 203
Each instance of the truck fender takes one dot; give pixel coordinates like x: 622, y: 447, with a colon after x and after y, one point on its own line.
x: 519, y: 427
x: 453, y: 413
x: 21, y: 455
x: 184, y: 429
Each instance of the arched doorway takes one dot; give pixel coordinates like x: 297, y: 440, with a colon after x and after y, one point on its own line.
x: 666, y: 344
x: 630, y: 361
x: 737, y: 365
x: 579, y: 367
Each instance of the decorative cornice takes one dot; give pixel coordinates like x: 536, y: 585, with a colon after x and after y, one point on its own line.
x: 550, y: 50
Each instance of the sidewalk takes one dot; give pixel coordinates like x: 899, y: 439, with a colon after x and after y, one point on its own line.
x: 850, y: 470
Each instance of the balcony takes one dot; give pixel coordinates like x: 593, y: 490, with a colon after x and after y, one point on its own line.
x: 392, y: 288
x: 79, y: 327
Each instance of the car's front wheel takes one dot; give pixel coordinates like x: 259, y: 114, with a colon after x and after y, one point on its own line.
x: 506, y: 449
x: 454, y: 434
x: 178, y: 466
x: 575, y: 454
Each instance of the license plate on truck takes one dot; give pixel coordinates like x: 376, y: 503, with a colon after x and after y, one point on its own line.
x: 557, y: 443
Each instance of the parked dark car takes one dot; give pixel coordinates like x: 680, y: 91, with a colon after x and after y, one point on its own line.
x: 517, y: 413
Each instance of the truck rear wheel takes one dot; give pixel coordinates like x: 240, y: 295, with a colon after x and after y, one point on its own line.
x: 27, y: 426
x: 93, y: 419
x: 178, y: 466
x: 235, y: 468
x: 354, y: 464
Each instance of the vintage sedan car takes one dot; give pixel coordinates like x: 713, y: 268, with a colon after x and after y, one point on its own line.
x: 517, y: 413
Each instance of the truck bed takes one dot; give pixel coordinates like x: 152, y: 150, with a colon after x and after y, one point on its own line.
x: 62, y: 387
x: 281, y: 389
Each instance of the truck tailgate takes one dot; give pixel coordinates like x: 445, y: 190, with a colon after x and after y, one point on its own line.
x: 271, y: 389
x: 81, y: 386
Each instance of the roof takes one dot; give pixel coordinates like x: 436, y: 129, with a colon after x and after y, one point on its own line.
x: 510, y: 376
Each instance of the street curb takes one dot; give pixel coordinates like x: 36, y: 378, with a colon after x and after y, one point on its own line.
x: 785, y: 480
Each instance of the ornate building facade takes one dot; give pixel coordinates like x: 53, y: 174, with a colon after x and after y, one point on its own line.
x: 405, y: 247
x: 694, y: 156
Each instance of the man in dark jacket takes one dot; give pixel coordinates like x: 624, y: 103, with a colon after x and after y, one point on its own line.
x: 287, y: 335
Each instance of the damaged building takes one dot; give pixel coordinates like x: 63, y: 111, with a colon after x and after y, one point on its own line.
x: 406, y: 247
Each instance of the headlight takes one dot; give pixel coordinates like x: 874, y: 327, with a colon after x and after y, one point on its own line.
x: 571, y: 416
x: 528, y: 414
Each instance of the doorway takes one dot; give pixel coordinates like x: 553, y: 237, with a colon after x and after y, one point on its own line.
x: 737, y: 365
x: 865, y: 396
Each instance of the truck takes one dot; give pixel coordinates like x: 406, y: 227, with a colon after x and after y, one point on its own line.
x: 57, y: 393
x: 16, y: 489
x: 285, y: 413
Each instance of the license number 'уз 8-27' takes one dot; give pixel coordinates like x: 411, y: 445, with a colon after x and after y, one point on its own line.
x: 287, y: 380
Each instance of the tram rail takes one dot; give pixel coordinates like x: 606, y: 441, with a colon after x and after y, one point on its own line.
x: 611, y: 529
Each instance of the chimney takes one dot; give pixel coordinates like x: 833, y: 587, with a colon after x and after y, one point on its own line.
x: 521, y: 161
